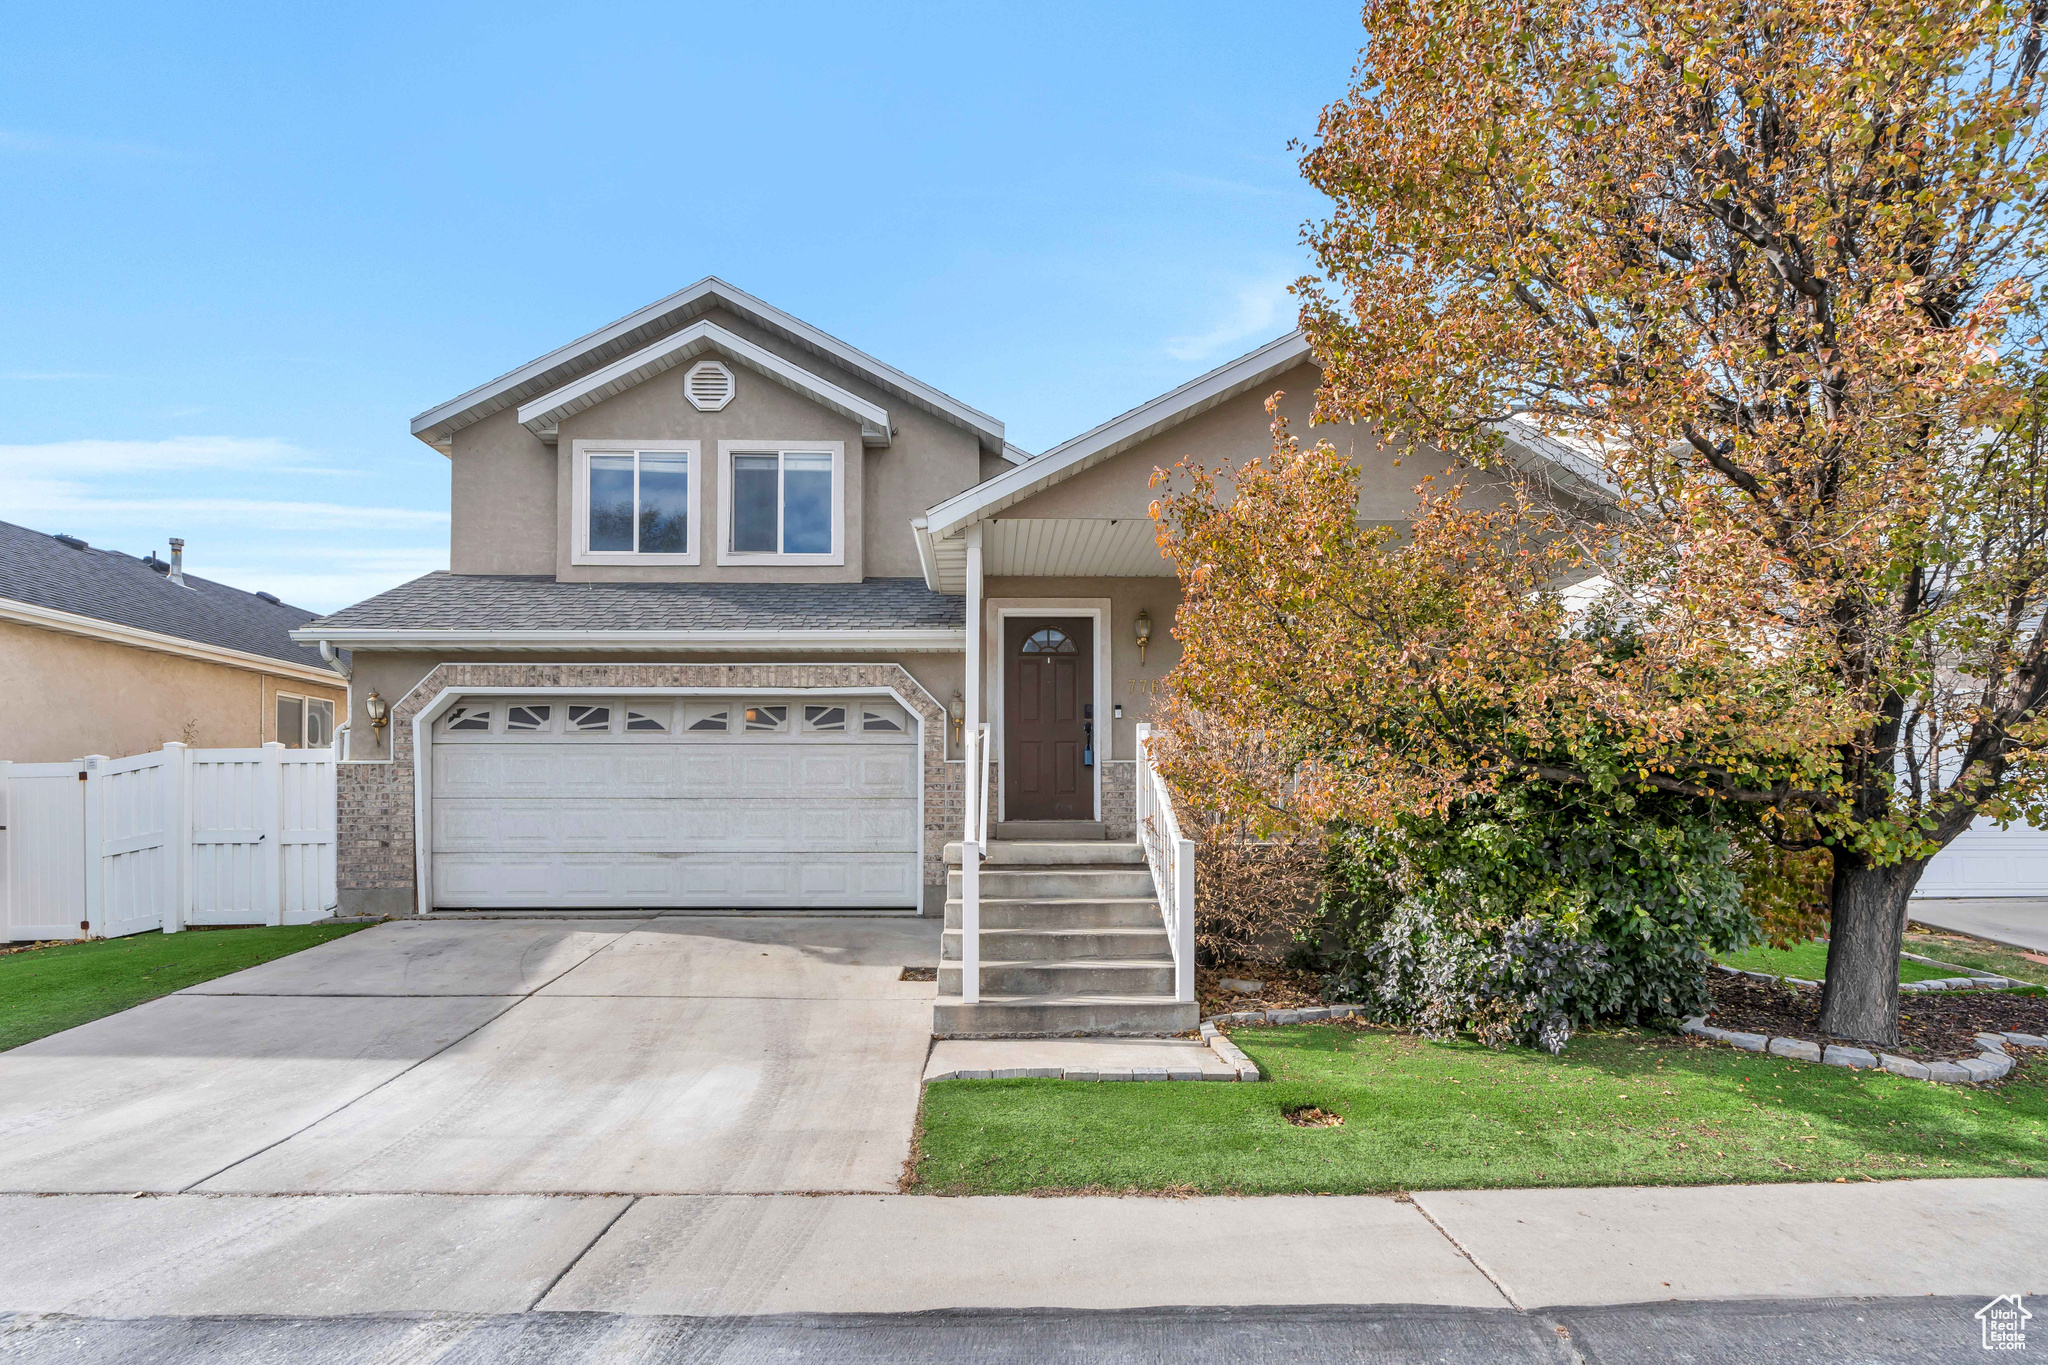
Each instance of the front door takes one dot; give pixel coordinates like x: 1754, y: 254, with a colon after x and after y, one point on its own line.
x: 1048, y: 718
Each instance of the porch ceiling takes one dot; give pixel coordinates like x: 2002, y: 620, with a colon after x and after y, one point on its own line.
x: 1053, y: 547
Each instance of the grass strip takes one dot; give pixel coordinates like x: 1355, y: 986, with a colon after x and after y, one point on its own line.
x: 1809, y: 962
x: 47, y: 990
x: 1621, y: 1108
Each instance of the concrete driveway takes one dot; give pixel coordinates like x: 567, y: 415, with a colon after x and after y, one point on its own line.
x: 670, y: 1055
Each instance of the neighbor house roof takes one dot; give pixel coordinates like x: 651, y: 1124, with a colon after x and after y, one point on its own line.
x: 46, y: 582
x: 639, y: 329
x: 507, y: 611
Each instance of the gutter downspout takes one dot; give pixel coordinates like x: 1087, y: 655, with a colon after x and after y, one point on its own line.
x: 334, y: 661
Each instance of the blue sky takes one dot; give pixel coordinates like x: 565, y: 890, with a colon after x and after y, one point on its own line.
x: 245, y: 245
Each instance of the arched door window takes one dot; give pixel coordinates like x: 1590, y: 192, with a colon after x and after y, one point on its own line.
x: 1048, y: 641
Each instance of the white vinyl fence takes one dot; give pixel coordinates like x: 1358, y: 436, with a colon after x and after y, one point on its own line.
x: 111, y: 846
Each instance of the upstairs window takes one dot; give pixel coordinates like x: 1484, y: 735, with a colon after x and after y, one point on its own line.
x: 636, y: 506
x: 783, y: 506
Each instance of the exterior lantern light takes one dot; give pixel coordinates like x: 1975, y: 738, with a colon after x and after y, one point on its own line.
x: 379, y: 712
x: 958, y: 711
x: 1142, y: 628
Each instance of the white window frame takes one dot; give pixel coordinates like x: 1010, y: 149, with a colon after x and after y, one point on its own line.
x: 306, y: 703
x: 579, y: 542
x: 780, y: 446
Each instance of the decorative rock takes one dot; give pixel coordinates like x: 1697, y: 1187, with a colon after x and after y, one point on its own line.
x: 1696, y: 1024
x: 1848, y: 1056
x: 1903, y: 1066
x: 2026, y: 1039
x: 1986, y: 1067
x: 1113, y: 1075
x: 1796, y: 1048
x: 1748, y: 1042
x: 1948, y: 1073
x: 1148, y: 1073
x: 1764, y: 977
x: 1180, y: 1074
x: 1992, y: 1042
x: 1321, y: 1012
x: 1284, y: 1016
x: 1248, y: 1072
x: 1240, y: 986
x: 1073, y: 1074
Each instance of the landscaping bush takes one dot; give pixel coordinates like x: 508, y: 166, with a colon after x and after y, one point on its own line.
x: 1253, y: 897
x: 1526, y: 916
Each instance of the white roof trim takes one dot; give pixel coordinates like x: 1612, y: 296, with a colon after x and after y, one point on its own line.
x: 1119, y: 434
x: 920, y: 639
x: 112, y: 632
x: 543, y: 416
x: 438, y: 424
x: 1016, y: 454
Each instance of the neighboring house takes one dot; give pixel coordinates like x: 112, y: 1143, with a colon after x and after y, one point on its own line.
x: 103, y: 653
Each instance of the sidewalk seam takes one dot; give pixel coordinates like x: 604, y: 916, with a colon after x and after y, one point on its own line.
x: 595, y: 1238
x: 1477, y: 1264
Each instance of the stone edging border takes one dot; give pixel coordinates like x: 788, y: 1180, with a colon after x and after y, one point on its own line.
x: 1990, y: 1064
x: 1970, y: 980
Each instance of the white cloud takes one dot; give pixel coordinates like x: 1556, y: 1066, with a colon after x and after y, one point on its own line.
x: 177, y: 453
x: 1261, y: 310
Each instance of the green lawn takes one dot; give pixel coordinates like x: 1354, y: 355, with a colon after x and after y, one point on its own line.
x: 1809, y: 962
x: 1616, y: 1109
x: 1976, y: 952
x: 49, y: 989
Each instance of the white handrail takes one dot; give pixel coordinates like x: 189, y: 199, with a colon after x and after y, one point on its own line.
x: 1171, y: 859
x: 972, y: 845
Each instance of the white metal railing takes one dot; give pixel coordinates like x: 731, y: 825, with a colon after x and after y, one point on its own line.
x: 973, y: 845
x: 1171, y: 857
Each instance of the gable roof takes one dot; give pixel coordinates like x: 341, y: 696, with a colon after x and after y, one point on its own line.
x: 543, y: 416
x: 45, y: 582
x: 636, y: 330
x: 1118, y: 434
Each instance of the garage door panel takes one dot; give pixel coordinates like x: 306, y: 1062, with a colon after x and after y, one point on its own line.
x: 698, y: 881
x: 680, y: 825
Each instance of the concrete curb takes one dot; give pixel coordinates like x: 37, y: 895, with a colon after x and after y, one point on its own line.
x: 1990, y: 1064
x: 1242, y: 1068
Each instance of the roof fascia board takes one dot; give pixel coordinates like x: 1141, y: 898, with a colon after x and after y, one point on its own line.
x: 927, y: 558
x: 939, y: 639
x: 437, y: 424
x: 113, y: 632
x: 1119, y: 433
x: 543, y: 415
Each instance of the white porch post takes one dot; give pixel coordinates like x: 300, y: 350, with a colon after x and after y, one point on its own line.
x: 976, y: 790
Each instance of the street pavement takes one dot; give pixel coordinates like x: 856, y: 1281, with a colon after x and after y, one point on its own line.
x: 2016, y: 921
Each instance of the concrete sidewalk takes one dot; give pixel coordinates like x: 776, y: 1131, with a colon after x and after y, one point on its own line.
x: 2015, y: 921
x: 717, y: 1256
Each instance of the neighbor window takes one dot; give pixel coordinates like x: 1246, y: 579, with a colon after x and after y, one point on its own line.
x: 783, y: 502
x: 636, y: 504
x: 304, y: 722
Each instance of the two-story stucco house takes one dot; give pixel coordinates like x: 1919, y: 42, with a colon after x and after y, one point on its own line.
x: 724, y: 593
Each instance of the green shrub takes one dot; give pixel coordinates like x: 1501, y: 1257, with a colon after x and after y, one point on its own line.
x: 1527, y: 916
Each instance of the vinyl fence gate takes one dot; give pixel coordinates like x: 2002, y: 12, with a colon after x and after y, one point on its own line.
x: 111, y: 846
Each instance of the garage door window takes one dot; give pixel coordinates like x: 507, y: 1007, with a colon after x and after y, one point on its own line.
x: 525, y: 719
x: 708, y: 719
x: 825, y: 719
x: 771, y: 718
x: 468, y: 718
x: 878, y: 719
x: 651, y: 721
x: 586, y: 720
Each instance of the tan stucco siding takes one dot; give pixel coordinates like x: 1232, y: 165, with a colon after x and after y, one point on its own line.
x: 65, y: 696
x: 512, y: 496
x: 393, y: 674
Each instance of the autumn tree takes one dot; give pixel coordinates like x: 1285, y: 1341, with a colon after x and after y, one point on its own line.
x: 1736, y: 310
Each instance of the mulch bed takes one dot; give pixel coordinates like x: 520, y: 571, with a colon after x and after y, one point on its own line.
x: 1931, y: 1027
x: 1279, y: 988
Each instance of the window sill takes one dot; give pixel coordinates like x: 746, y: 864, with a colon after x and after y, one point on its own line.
x: 739, y: 559
x: 628, y: 560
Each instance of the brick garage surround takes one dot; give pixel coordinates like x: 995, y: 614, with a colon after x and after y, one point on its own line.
x: 375, y: 830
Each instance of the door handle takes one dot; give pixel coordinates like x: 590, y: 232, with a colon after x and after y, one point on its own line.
x: 1088, y: 743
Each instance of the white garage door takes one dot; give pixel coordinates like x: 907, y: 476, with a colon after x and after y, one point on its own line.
x: 756, y: 802
x: 1985, y: 860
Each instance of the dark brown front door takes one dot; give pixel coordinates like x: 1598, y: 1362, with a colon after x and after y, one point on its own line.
x: 1048, y: 690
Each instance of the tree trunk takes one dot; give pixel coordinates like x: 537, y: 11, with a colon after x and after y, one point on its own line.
x: 1866, y: 923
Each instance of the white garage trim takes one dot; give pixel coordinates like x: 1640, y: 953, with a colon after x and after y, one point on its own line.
x: 447, y: 697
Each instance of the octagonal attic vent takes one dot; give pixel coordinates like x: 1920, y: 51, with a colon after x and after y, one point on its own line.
x: 709, y: 385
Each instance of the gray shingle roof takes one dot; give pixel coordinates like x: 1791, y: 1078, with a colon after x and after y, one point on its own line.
x: 473, y: 602
x: 109, y: 586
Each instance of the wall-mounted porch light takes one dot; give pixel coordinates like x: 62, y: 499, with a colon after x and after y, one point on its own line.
x: 379, y: 712
x: 1142, y: 628
x: 958, y: 711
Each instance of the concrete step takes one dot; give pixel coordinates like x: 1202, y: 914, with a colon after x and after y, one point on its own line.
x: 1055, y: 853
x: 1064, y: 944
x: 1080, y: 976
x: 1105, y: 1016
x: 1065, y: 883
x: 1051, y: 829
x: 1110, y: 912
